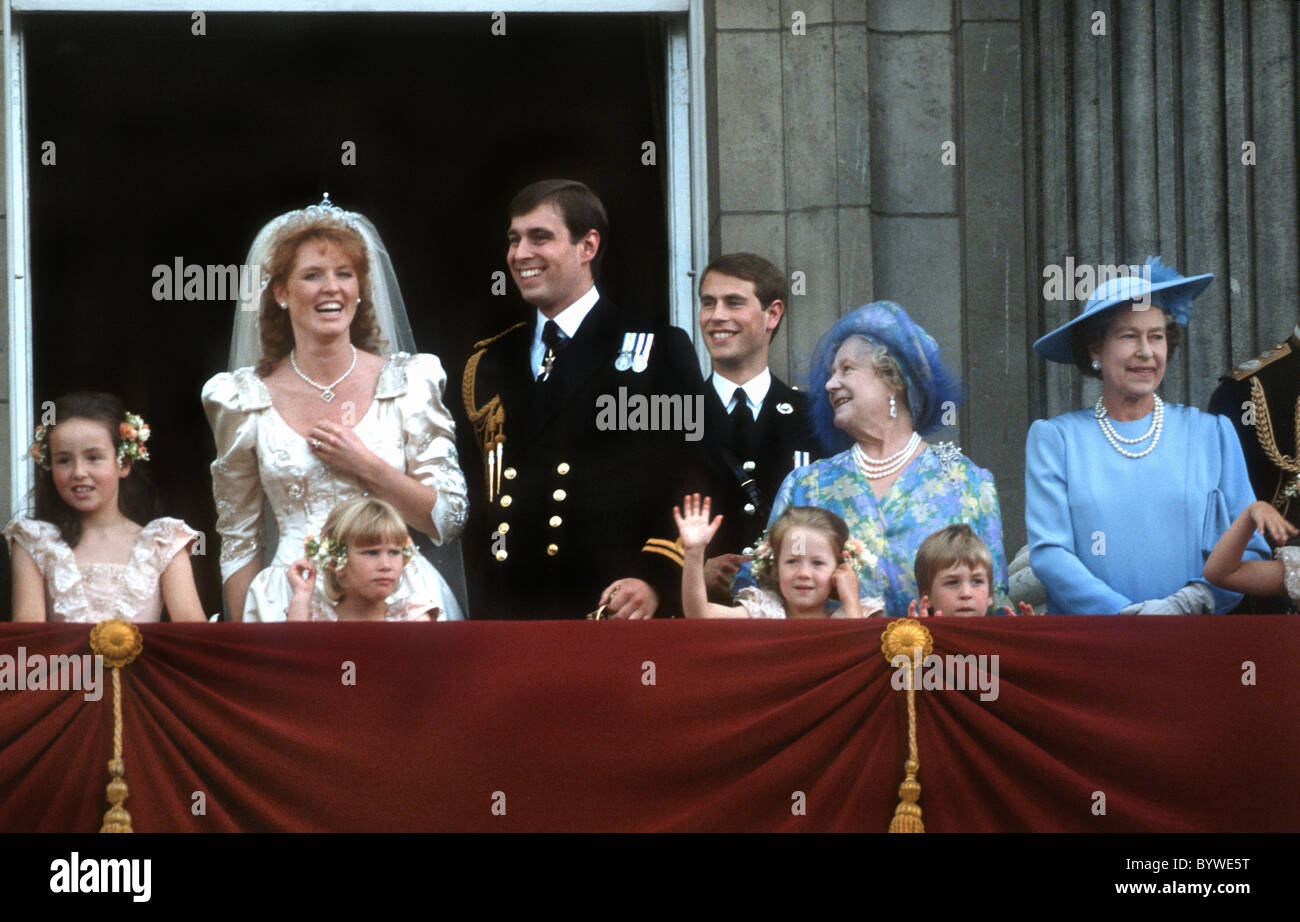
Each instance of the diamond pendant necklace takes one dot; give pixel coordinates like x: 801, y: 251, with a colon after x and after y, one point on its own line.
x: 327, y: 390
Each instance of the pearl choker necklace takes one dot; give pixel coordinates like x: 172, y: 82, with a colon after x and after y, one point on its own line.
x: 1115, y: 439
x: 880, y: 468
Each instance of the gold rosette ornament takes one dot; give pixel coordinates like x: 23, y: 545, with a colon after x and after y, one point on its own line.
x: 118, y: 642
x: 911, y: 639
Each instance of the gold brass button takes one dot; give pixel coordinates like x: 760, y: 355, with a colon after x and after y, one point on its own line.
x: 562, y: 468
x: 501, y: 554
x: 504, y: 528
x: 559, y: 496
x: 509, y: 473
x: 506, y: 501
x: 556, y: 521
x: 552, y: 550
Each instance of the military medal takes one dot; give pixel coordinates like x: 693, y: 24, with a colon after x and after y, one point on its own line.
x: 624, y: 360
x: 641, y: 361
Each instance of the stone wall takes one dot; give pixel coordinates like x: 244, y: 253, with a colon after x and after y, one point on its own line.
x: 1098, y: 138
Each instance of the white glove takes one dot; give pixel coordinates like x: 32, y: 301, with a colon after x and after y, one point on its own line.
x: 1192, y: 599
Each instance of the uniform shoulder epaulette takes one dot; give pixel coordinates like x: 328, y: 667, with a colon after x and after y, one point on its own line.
x: 484, y: 343
x: 1265, y: 358
x: 488, y: 420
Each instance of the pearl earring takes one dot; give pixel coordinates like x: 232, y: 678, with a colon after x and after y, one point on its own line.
x: 893, y: 408
x: 284, y: 305
x: 1096, y: 365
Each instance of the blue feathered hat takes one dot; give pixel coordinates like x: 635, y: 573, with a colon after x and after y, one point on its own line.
x: 1170, y: 291
x: 929, y: 383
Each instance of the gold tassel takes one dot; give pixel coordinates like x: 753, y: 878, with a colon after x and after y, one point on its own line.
x: 118, y: 642
x: 906, y: 637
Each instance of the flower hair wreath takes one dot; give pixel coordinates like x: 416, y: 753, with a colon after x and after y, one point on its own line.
x: 132, y: 432
x: 328, y: 552
x: 854, y: 553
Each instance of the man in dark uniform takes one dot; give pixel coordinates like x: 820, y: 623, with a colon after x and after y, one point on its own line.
x: 1262, y: 398
x: 585, y: 422
x: 758, y: 428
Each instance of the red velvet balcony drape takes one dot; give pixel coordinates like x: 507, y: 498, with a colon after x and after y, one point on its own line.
x: 557, y: 725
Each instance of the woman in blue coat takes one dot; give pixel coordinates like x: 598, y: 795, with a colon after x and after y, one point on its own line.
x: 1126, y: 499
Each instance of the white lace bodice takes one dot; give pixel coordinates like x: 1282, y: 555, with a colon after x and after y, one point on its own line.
x: 97, y: 591
x: 259, y: 457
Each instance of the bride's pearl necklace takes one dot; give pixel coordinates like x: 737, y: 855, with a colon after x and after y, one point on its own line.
x: 880, y: 468
x: 1115, y: 439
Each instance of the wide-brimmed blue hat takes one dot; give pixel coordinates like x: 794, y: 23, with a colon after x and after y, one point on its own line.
x: 929, y: 384
x: 1171, y: 292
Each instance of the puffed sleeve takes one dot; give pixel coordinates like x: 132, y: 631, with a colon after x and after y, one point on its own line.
x: 760, y: 603
x: 1224, y: 502
x: 1052, y: 553
x: 39, y: 539
x: 236, y: 481
x: 167, y: 537
x: 430, y: 438
x: 1290, y: 558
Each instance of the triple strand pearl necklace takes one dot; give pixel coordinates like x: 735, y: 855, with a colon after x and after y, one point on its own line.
x: 1108, y: 430
x: 326, y: 390
x: 880, y: 468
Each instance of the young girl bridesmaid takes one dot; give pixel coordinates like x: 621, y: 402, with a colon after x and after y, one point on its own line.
x: 94, y: 549
x: 361, y: 552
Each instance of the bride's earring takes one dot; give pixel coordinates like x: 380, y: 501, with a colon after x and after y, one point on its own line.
x: 893, y: 408
x: 1096, y: 365
x: 284, y: 305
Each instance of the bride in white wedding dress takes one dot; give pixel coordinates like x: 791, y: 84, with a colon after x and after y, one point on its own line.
x: 320, y: 408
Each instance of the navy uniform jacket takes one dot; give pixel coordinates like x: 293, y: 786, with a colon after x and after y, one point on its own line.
x: 1269, y: 382
x: 781, y: 430
x: 580, y: 504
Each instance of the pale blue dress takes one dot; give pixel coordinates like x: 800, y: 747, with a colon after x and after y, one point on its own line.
x: 1106, y: 531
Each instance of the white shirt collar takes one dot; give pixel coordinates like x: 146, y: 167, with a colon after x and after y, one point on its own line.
x: 755, y: 390
x: 568, y: 321
x: 572, y: 316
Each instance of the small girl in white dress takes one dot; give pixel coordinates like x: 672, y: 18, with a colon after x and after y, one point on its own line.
x: 93, y: 550
x: 807, y: 559
x: 362, y: 550
x: 1225, y: 568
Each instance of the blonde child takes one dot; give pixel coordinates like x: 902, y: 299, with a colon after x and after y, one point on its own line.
x: 94, y: 549
x: 1225, y: 568
x: 954, y: 573
x: 361, y: 552
x: 806, y: 559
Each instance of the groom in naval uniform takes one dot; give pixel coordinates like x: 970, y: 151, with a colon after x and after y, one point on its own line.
x: 758, y: 429
x: 572, y: 512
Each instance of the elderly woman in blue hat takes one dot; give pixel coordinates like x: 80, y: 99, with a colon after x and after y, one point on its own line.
x: 1125, y: 500
x: 877, y: 385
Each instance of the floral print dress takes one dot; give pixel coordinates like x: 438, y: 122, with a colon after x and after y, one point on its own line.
x: 939, y: 487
